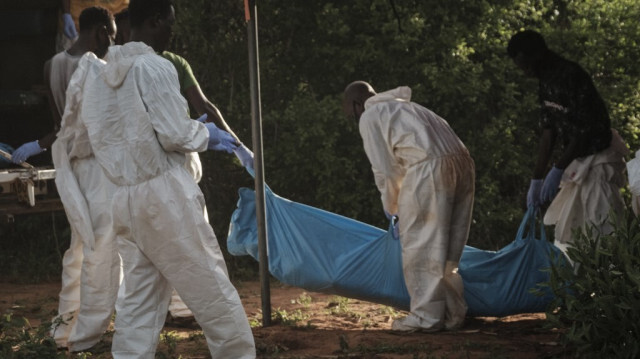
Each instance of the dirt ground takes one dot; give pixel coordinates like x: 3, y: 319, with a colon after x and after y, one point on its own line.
x: 314, y: 325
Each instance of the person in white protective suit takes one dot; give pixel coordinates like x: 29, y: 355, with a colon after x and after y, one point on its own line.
x: 86, y: 194
x: 179, y: 315
x: 139, y: 130
x: 590, y: 167
x: 426, y: 177
x: 90, y: 267
x: 633, y: 174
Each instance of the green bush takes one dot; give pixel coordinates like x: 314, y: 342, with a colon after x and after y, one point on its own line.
x: 18, y: 340
x: 451, y: 53
x: 598, y: 303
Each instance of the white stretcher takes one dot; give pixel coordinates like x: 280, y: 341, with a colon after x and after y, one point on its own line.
x: 19, y: 188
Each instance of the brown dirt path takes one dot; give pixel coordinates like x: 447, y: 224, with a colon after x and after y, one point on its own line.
x: 314, y: 325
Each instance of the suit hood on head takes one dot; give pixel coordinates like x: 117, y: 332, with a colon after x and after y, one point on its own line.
x: 119, y: 60
x: 402, y: 93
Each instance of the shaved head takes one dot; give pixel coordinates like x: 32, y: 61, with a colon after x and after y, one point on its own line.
x: 355, y: 95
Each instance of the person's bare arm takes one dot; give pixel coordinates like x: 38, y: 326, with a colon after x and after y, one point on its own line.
x: 570, y: 153
x: 202, y: 105
x: 547, y: 141
x: 47, y: 140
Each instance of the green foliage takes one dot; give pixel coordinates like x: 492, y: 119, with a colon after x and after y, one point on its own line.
x: 603, y: 37
x: 451, y: 53
x: 339, y: 306
x: 170, y: 340
x: 599, y: 302
x: 18, y: 340
x: 288, y: 318
x: 304, y: 299
x: 222, y: 177
x: 320, y: 162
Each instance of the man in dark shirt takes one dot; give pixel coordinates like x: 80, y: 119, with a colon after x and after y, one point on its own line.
x: 590, y: 163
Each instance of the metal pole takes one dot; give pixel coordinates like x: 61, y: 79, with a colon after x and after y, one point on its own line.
x: 256, y: 127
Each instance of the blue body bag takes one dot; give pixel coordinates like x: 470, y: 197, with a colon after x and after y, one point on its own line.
x: 324, y: 252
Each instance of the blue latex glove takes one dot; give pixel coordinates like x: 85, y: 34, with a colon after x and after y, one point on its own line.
x: 69, y: 28
x: 550, y: 184
x: 533, y: 195
x: 220, y: 140
x: 396, y: 228
x: 202, y: 118
x: 388, y: 215
x: 245, y: 156
x: 25, y: 151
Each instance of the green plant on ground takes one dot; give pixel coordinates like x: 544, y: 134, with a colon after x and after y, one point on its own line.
x: 598, y: 302
x: 59, y: 320
x: 391, y: 311
x: 255, y: 321
x: 196, y: 336
x: 170, y: 340
x: 19, y: 340
x: 288, y: 318
x: 304, y: 299
x: 338, y: 305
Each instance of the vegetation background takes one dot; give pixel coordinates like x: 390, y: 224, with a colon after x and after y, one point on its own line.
x: 451, y: 53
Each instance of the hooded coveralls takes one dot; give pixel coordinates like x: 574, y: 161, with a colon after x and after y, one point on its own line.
x: 91, y: 266
x: 86, y: 193
x: 425, y: 175
x: 139, y: 130
x: 590, y: 185
x: 589, y: 192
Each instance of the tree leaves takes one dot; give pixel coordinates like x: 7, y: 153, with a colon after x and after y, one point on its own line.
x: 451, y: 53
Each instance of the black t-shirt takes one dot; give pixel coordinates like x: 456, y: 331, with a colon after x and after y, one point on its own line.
x: 571, y: 104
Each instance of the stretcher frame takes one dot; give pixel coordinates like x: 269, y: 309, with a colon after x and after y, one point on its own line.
x: 21, y: 187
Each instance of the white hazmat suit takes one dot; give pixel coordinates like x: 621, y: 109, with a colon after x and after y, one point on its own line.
x: 94, y: 273
x: 91, y: 266
x: 86, y: 194
x: 633, y: 173
x: 589, y: 191
x: 426, y: 176
x: 139, y: 130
